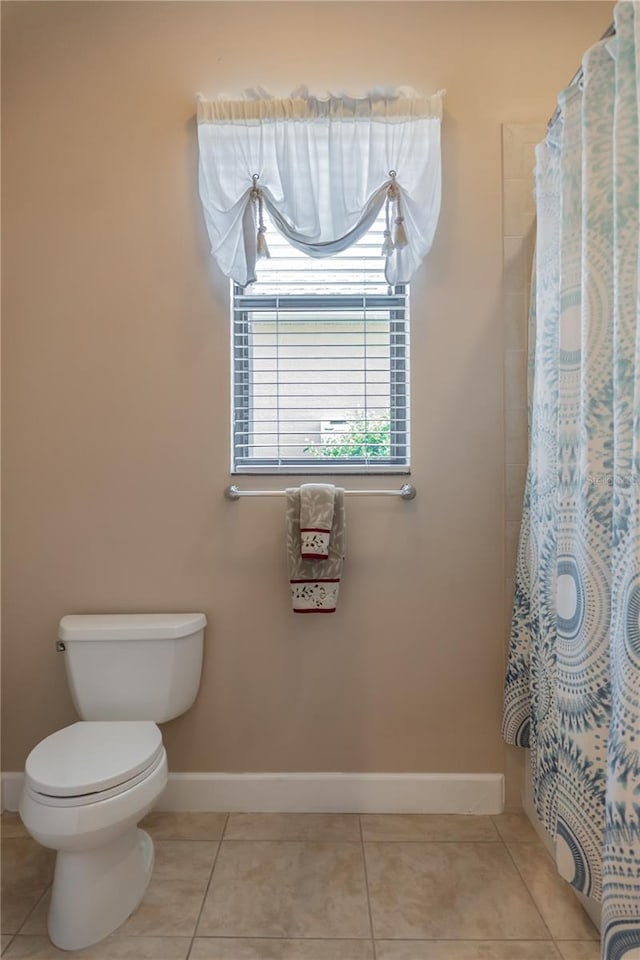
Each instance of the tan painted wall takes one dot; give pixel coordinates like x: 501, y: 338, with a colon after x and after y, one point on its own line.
x: 116, y: 380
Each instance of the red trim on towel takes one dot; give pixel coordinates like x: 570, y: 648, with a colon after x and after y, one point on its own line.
x: 315, y: 610
x: 315, y: 529
x: 314, y: 556
x: 316, y: 580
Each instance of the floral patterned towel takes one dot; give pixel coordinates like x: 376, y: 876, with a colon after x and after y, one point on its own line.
x: 315, y: 583
x: 316, y: 517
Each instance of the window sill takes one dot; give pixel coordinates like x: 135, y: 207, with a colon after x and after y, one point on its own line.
x: 323, y: 471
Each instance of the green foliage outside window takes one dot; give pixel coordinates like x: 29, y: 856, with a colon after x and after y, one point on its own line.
x: 362, y: 437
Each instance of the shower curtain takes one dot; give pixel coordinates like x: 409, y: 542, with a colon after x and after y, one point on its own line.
x: 572, y: 689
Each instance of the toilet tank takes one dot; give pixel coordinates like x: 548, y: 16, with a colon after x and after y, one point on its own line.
x: 133, y: 666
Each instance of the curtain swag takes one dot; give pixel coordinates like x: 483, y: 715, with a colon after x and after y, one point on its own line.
x: 323, y: 168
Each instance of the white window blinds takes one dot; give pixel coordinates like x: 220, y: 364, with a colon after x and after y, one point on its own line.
x: 321, y: 364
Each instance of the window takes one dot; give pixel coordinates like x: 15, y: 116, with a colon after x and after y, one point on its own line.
x: 321, y: 363
x: 320, y: 345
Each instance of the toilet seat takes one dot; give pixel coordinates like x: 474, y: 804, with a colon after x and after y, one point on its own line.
x: 86, y: 799
x: 92, y: 760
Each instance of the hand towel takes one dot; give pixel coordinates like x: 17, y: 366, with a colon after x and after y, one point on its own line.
x: 315, y: 583
x: 316, y: 517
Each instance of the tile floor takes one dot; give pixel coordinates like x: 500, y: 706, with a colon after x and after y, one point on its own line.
x: 321, y: 887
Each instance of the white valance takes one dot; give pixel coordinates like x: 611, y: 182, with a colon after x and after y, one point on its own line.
x: 323, y: 168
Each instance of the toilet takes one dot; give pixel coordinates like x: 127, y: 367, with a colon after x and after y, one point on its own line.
x: 87, y: 786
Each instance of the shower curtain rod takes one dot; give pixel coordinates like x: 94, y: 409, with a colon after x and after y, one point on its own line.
x: 406, y: 492
x: 577, y: 77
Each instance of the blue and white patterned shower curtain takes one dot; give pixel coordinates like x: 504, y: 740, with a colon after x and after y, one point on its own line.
x: 572, y: 690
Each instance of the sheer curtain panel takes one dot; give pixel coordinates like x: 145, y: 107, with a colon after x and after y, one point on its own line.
x: 323, y: 168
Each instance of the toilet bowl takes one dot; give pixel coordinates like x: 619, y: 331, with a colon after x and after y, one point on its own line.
x: 87, y: 786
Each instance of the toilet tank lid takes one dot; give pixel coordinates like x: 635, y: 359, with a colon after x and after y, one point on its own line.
x: 130, y: 626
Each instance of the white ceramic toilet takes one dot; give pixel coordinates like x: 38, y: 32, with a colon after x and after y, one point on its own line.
x: 87, y: 786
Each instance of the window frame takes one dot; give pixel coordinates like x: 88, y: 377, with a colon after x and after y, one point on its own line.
x: 399, y: 461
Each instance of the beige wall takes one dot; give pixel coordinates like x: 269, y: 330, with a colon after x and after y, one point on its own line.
x: 116, y: 381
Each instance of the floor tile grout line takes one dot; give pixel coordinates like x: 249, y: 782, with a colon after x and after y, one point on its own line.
x: 12, y: 937
x: 301, y: 839
x: 184, y: 839
x: 555, y: 939
x: 439, y: 840
x: 494, y: 818
x: 286, y: 840
x: 366, y: 885
x: 206, y: 891
x: 277, y: 939
x: 223, y: 835
x: 527, y: 888
x: 33, y: 908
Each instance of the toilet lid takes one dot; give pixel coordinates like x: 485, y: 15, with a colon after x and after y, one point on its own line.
x: 92, y: 756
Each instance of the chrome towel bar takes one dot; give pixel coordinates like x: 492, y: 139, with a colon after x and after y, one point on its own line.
x: 406, y: 492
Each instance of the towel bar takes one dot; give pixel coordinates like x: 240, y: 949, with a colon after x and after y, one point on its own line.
x: 406, y: 492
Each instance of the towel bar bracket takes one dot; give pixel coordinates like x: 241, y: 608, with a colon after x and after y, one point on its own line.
x: 406, y: 492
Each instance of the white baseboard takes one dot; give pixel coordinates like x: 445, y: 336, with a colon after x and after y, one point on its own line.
x: 335, y: 792
x: 480, y: 793
x: 10, y: 790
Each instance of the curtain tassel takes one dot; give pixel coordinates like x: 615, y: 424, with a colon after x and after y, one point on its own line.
x: 387, y: 244
x: 399, y: 239
x: 262, y: 249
